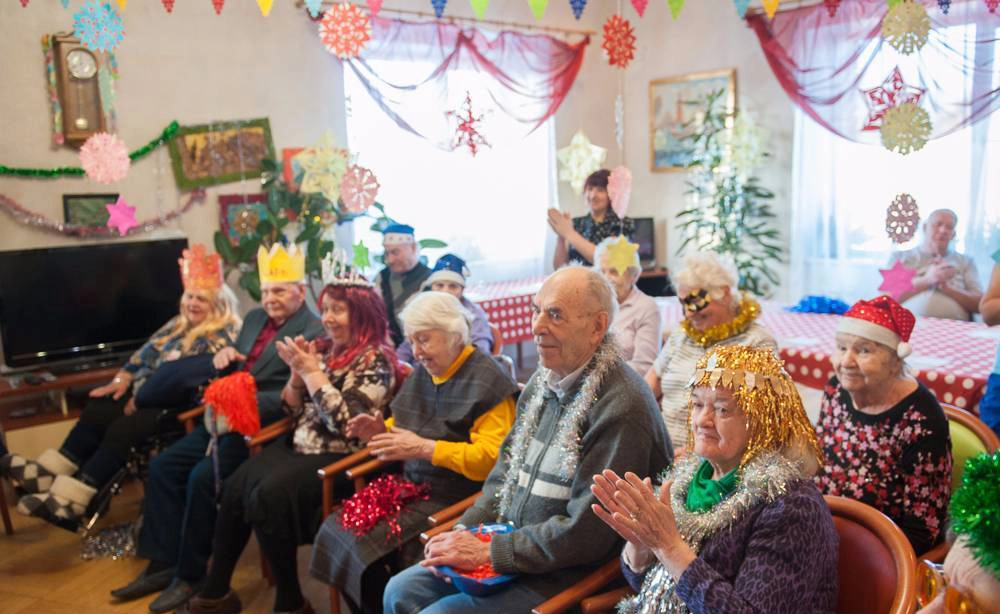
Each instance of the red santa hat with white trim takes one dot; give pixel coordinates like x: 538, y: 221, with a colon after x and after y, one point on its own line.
x: 882, y: 320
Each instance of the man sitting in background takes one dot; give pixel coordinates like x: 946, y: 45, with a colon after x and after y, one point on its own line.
x: 947, y: 283
x: 403, y: 274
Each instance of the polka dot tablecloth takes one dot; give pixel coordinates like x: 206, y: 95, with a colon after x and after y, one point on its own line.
x: 952, y: 358
x: 508, y: 305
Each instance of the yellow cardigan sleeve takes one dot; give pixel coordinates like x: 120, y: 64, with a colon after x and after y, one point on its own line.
x: 475, y: 459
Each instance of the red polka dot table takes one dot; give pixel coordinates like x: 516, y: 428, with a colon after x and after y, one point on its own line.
x: 508, y: 306
x: 952, y: 358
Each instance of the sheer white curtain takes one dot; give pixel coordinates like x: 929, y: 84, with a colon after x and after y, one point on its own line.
x: 840, y: 189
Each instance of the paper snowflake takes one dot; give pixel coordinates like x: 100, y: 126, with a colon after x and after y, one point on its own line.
x: 358, y: 189
x: 831, y: 7
x: 577, y: 6
x: 906, y: 26
x: 578, y: 160
x: 944, y: 5
x: 621, y: 255
x: 104, y: 158
x: 98, y: 26
x: 619, y: 41
x: 897, y: 280
x: 217, y: 4
x: 902, y: 218
x: 479, y: 7
x: 892, y: 92
x: 640, y: 6
x: 323, y: 167
x: 741, y: 7
x: 770, y: 7
x: 439, y: 7
x: 467, y: 129
x: 344, y: 30
x: 620, y: 189
x: 905, y: 128
x: 121, y: 216
x: 675, y: 8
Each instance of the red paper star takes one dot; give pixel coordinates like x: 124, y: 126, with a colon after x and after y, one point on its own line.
x: 121, y: 216
x: 891, y: 93
x: 467, y: 132
x: 619, y: 41
x: 897, y: 280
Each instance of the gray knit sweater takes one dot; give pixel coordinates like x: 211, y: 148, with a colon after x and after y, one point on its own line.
x: 556, y: 531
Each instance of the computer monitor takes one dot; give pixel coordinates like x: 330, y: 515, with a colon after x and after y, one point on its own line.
x: 645, y: 236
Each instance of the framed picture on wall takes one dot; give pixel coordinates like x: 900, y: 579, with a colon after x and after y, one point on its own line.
x: 672, y: 111
x: 239, y: 214
x: 87, y: 209
x: 220, y: 152
x: 290, y: 166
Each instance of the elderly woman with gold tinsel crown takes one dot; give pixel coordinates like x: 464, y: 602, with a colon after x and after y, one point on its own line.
x: 716, y: 313
x: 737, y: 526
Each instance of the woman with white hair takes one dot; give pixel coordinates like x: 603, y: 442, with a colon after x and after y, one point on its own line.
x: 637, y: 326
x: 716, y: 313
x: 448, y: 421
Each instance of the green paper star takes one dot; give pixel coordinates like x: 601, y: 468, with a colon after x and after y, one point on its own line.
x: 361, y: 258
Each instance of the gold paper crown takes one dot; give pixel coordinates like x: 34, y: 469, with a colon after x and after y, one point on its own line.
x: 281, y: 266
x: 199, y: 270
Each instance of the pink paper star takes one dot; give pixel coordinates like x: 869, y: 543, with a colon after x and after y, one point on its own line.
x: 121, y: 216
x: 891, y: 93
x: 897, y: 280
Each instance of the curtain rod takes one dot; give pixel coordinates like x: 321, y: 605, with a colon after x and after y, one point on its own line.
x: 472, y: 21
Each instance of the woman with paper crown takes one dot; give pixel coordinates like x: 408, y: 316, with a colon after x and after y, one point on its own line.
x: 738, y: 525
x: 637, y: 327
x: 160, y: 378
x: 275, y: 495
x: 578, y: 236
x: 716, y: 313
x: 884, y: 436
x: 449, y: 276
x: 448, y: 421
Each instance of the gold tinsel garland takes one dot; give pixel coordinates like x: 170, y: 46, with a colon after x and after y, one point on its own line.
x: 748, y: 311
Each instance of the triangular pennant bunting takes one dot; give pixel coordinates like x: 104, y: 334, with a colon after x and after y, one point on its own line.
x: 479, y: 7
x: 373, y: 5
x: 218, y: 6
x: 577, y: 6
x: 538, y: 8
x: 121, y: 4
x: 640, y: 6
x: 675, y: 7
x: 770, y: 7
x: 265, y: 7
x: 169, y: 5
x: 439, y: 7
x: 315, y: 7
x: 741, y: 7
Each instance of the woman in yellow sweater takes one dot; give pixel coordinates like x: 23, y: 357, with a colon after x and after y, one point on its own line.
x: 448, y: 421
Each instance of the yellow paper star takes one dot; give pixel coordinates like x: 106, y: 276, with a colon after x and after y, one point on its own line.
x: 579, y: 159
x: 323, y: 167
x: 621, y: 254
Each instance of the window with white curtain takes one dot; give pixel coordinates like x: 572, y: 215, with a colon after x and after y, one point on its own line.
x: 841, y: 190
x: 490, y: 208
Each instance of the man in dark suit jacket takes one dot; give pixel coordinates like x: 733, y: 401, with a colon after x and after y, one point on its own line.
x: 403, y: 273
x: 179, y: 507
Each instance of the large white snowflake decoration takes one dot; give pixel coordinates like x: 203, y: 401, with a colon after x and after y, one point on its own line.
x: 902, y: 218
x: 905, y: 128
x: 906, y: 26
x: 358, y: 189
x: 578, y: 160
x: 98, y: 26
x: 344, y: 30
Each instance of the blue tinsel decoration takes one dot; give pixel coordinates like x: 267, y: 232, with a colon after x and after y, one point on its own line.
x: 577, y: 6
x: 820, y: 304
x: 439, y: 7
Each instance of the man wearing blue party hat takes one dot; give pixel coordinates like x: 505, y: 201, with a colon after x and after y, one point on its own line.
x: 449, y: 276
x: 403, y: 274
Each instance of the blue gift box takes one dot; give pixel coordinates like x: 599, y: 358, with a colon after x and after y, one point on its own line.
x: 486, y: 586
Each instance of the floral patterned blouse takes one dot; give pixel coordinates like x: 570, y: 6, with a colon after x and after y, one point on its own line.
x: 595, y: 232
x: 163, y: 346
x: 898, y: 462
x: 363, y: 386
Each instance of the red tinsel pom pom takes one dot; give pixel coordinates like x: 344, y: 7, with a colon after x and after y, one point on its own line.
x: 235, y: 397
x: 384, y: 497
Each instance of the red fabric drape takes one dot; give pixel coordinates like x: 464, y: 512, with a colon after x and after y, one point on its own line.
x: 825, y: 63
x: 527, y: 76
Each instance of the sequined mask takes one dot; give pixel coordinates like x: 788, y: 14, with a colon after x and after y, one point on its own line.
x: 696, y: 301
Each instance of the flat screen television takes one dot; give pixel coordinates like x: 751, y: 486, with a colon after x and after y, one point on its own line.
x: 645, y: 236
x: 65, y: 306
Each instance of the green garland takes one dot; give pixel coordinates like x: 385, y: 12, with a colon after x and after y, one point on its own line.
x: 975, y: 509
x: 51, y: 173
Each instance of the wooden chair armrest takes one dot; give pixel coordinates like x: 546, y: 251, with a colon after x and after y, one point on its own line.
x: 328, y: 473
x: 572, y: 596
x: 452, y: 511
x: 605, y: 602
x: 269, y: 433
x: 360, y: 471
x: 441, y: 528
x: 935, y: 554
x: 188, y: 417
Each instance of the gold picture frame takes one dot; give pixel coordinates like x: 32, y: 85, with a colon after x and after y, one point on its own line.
x: 670, y: 114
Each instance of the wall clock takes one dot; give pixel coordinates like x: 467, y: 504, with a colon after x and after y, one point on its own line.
x: 78, y: 88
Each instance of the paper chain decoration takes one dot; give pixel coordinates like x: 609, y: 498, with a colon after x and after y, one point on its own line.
x: 121, y: 217
x: 892, y: 92
x: 620, y: 190
x: 577, y: 6
x: 902, y: 218
x: 467, y: 131
x: 344, y: 30
x: 897, y: 280
x: 358, y: 189
x: 578, y: 160
x: 104, y: 158
x: 98, y: 26
x: 619, y: 41
x: 906, y: 26
x: 905, y: 128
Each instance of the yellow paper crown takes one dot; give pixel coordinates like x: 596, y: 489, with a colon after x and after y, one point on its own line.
x: 281, y: 266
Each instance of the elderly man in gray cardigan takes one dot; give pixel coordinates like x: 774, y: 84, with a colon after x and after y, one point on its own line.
x: 582, y: 412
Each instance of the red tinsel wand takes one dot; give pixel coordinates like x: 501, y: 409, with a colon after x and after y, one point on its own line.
x: 234, y: 397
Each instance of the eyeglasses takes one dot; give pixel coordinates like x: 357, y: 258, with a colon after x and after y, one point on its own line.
x: 932, y: 582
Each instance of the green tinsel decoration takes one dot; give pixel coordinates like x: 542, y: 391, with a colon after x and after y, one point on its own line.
x: 975, y: 509
x: 50, y: 173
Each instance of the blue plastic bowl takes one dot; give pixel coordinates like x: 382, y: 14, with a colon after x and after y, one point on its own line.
x: 487, y: 586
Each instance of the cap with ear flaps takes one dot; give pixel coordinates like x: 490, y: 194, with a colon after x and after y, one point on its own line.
x: 882, y: 320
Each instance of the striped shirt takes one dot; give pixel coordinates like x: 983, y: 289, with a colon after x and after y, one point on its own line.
x: 676, y: 364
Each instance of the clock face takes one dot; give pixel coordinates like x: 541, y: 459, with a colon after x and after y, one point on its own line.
x: 81, y: 63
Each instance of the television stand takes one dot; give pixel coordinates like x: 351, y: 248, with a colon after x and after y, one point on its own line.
x: 29, y: 405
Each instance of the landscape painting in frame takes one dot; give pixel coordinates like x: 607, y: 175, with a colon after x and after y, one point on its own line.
x: 671, y: 115
x: 221, y: 152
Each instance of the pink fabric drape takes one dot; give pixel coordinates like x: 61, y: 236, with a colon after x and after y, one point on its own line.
x: 824, y: 63
x: 527, y: 75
